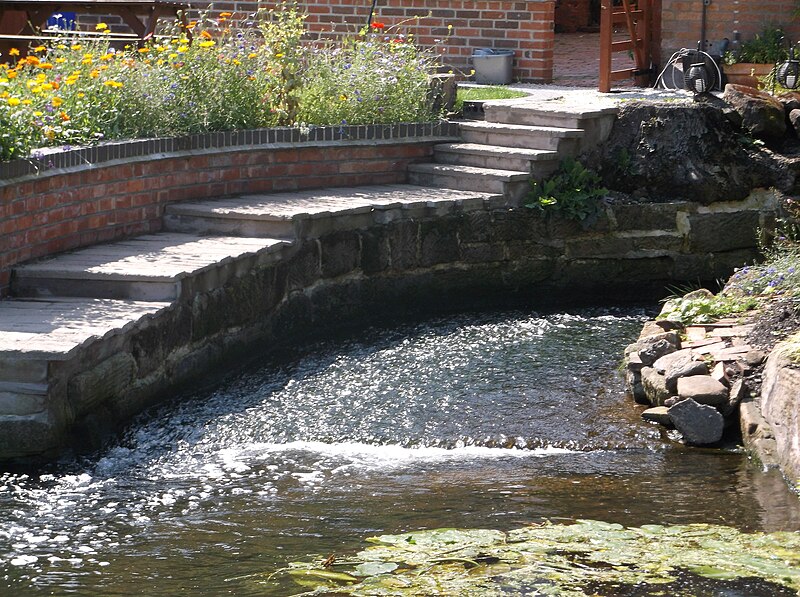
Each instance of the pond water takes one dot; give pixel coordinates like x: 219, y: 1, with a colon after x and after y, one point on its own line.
x: 490, y: 420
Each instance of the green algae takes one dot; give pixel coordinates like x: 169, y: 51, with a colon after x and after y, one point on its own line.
x: 557, y: 559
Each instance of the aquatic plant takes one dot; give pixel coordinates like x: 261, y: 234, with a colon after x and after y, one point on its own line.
x: 555, y: 559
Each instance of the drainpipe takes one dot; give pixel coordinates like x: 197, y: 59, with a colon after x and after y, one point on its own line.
x: 703, y: 26
x: 371, y: 13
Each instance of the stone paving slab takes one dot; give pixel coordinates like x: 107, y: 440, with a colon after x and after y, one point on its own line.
x: 166, y: 256
x: 293, y: 204
x: 53, y: 328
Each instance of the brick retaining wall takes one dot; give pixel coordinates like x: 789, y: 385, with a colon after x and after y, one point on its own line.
x: 100, y: 194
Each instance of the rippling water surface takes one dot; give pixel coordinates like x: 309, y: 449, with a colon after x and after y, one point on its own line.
x: 491, y: 420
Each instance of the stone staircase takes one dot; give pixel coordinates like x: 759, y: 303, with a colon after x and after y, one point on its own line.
x: 517, y: 141
x: 64, y: 304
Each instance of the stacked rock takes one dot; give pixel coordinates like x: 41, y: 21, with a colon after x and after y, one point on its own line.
x: 691, y: 376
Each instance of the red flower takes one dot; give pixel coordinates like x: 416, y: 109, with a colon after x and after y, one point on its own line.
x: 378, y: 25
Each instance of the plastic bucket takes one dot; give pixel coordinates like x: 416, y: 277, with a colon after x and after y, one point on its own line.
x: 493, y: 67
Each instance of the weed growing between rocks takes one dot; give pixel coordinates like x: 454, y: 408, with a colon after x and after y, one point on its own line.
x: 574, y: 191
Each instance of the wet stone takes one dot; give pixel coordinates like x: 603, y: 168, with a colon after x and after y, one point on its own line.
x: 699, y: 424
x: 658, y: 414
x: 655, y: 386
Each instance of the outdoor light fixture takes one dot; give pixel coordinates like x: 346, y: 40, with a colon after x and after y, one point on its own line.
x: 788, y: 74
x: 697, y: 77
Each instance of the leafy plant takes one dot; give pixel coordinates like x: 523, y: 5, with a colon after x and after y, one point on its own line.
x: 574, y: 191
x: 767, y: 47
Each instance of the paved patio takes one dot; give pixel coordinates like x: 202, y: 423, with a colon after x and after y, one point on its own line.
x: 576, y: 60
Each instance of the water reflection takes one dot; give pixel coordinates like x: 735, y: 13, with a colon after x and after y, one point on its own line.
x: 492, y: 420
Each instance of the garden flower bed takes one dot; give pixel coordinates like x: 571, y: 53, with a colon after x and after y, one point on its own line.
x: 245, y: 75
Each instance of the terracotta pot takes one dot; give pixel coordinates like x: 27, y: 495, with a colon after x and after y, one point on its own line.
x: 746, y: 73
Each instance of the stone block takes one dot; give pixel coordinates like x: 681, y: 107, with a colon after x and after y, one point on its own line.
x: 658, y: 414
x: 716, y: 232
x: 655, y: 386
x: 340, y: 253
x: 703, y: 389
x: 647, y: 216
x: 681, y: 363
x: 106, y: 380
x: 439, y: 242
x: 699, y: 424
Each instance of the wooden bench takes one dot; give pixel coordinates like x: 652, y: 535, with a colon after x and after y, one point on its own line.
x: 23, y: 21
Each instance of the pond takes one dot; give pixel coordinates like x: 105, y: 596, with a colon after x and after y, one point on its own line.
x: 490, y: 420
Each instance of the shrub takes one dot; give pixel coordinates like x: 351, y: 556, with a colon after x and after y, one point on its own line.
x: 574, y: 191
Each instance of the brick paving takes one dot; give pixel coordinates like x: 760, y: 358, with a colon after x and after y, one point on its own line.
x: 576, y: 60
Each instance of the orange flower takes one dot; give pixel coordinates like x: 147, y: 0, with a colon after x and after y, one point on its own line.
x: 378, y: 25
x: 225, y: 15
x: 205, y: 34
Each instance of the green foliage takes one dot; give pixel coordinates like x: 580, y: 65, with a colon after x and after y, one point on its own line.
x: 234, y: 75
x: 694, y: 308
x: 557, y: 559
x: 767, y: 47
x: 574, y: 192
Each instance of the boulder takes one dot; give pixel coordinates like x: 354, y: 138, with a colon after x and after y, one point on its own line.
x: 633, y: 381
x: 681, y: 363
x: 655, y: 386
x: 762, y: 115
x: 658, y: 414
x: 667, y: 152
x: 780, y: 405
x: 703, y: 389
x: 794, y: 120
x: 699, y: 424
x: 737, y: 393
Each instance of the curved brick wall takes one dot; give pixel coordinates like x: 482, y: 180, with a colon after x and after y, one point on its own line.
x: 70, y: 199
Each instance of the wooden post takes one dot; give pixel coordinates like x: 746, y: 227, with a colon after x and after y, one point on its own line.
x: 606, y: 38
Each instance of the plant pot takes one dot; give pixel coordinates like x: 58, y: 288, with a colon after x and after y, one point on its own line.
x: 746, y: 73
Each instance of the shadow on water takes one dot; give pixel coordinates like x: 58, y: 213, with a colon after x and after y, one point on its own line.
x: 482, y: 420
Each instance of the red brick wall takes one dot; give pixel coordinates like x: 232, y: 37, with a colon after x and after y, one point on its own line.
x: 50, y: 213
x: 571, y: 15
x: 681, y: 21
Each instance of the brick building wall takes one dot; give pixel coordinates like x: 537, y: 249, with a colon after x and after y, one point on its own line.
x: 681, y: 21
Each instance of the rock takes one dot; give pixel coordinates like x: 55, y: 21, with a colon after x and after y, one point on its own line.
x: 679, y: 364
x: 651, y: 328
x: 720, y: 374
x: 762, y: 115
x: 634, y: 362
x: 737, y: 393
x: 658, y: 414
x: 780, y: 405
x: 753, y: 358
x: 790, y: 101
x: 672, y: 400
x: 757, y: 434
x: 633, y: 381
x: 703, y: 389
x: 699, y: 424
x: 655, y: 386
x: 664, y: 152
x: 652, y: 348
x: 794, y: 120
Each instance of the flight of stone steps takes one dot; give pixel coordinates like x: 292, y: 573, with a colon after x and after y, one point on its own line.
x: 515, y: 142
x: 63, y: 304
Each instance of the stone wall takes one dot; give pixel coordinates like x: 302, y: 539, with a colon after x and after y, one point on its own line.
x: 347, y: 269
x: 71, y: 199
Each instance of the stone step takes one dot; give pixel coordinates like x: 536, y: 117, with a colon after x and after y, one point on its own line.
x: 292, y: 214
x: 156, y: 267
x: 566, y: 141
x: 539, y: 162
x: 35, y: 333
x: 543, y: 115
x: 512, y: 184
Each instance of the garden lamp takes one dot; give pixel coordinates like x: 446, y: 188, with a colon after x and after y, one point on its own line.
x: 788, y: 74
x: 697, y: 77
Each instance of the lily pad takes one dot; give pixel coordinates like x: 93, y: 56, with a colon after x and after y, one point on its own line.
x: 565, y: 560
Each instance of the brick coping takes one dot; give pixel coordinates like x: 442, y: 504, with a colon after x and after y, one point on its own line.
x: 55, y: 159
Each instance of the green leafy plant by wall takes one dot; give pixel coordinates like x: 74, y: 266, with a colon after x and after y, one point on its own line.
x: 573, y: 191
x: 767, y: 47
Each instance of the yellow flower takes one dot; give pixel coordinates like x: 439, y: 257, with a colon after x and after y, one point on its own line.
x: 38, y: 49
x: 12, y: 74
x: 60, y: 60
x: 38, y: 113
x: 47, y: 87
x: 41, y: 78
x: 107, y: 56
x: 252, y: 55
x: 81, y: 94
x: 87, y: 59
x: 112, y: 83
x: 27, y: 102
x: 205, y: 44
x: 36, y: 89
x: 94, y: 74
x: 56, y: 101
x: 184, y: 49
x: 343, y: 97
x: 45, y: 65
x: 4, y: 94
x: 61, y: 47
x: 75, y: 47
x: 172, y: 56
x: 101, y: 27
x: 13, y: 52
x: 143, y: 50
x: 14, y: 101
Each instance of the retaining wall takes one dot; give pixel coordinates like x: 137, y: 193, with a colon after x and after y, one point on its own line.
x: 353, y: 268
x: 68, y: 199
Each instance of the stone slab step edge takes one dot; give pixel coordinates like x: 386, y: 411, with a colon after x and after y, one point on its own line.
x: 22, y: 399
x: 527, y: 115
x: 566, y: 141
x: 539, y: 162
x: 511, y: 184
x: 47, y: 279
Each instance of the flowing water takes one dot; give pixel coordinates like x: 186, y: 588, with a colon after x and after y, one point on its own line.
x: 491, y: 420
